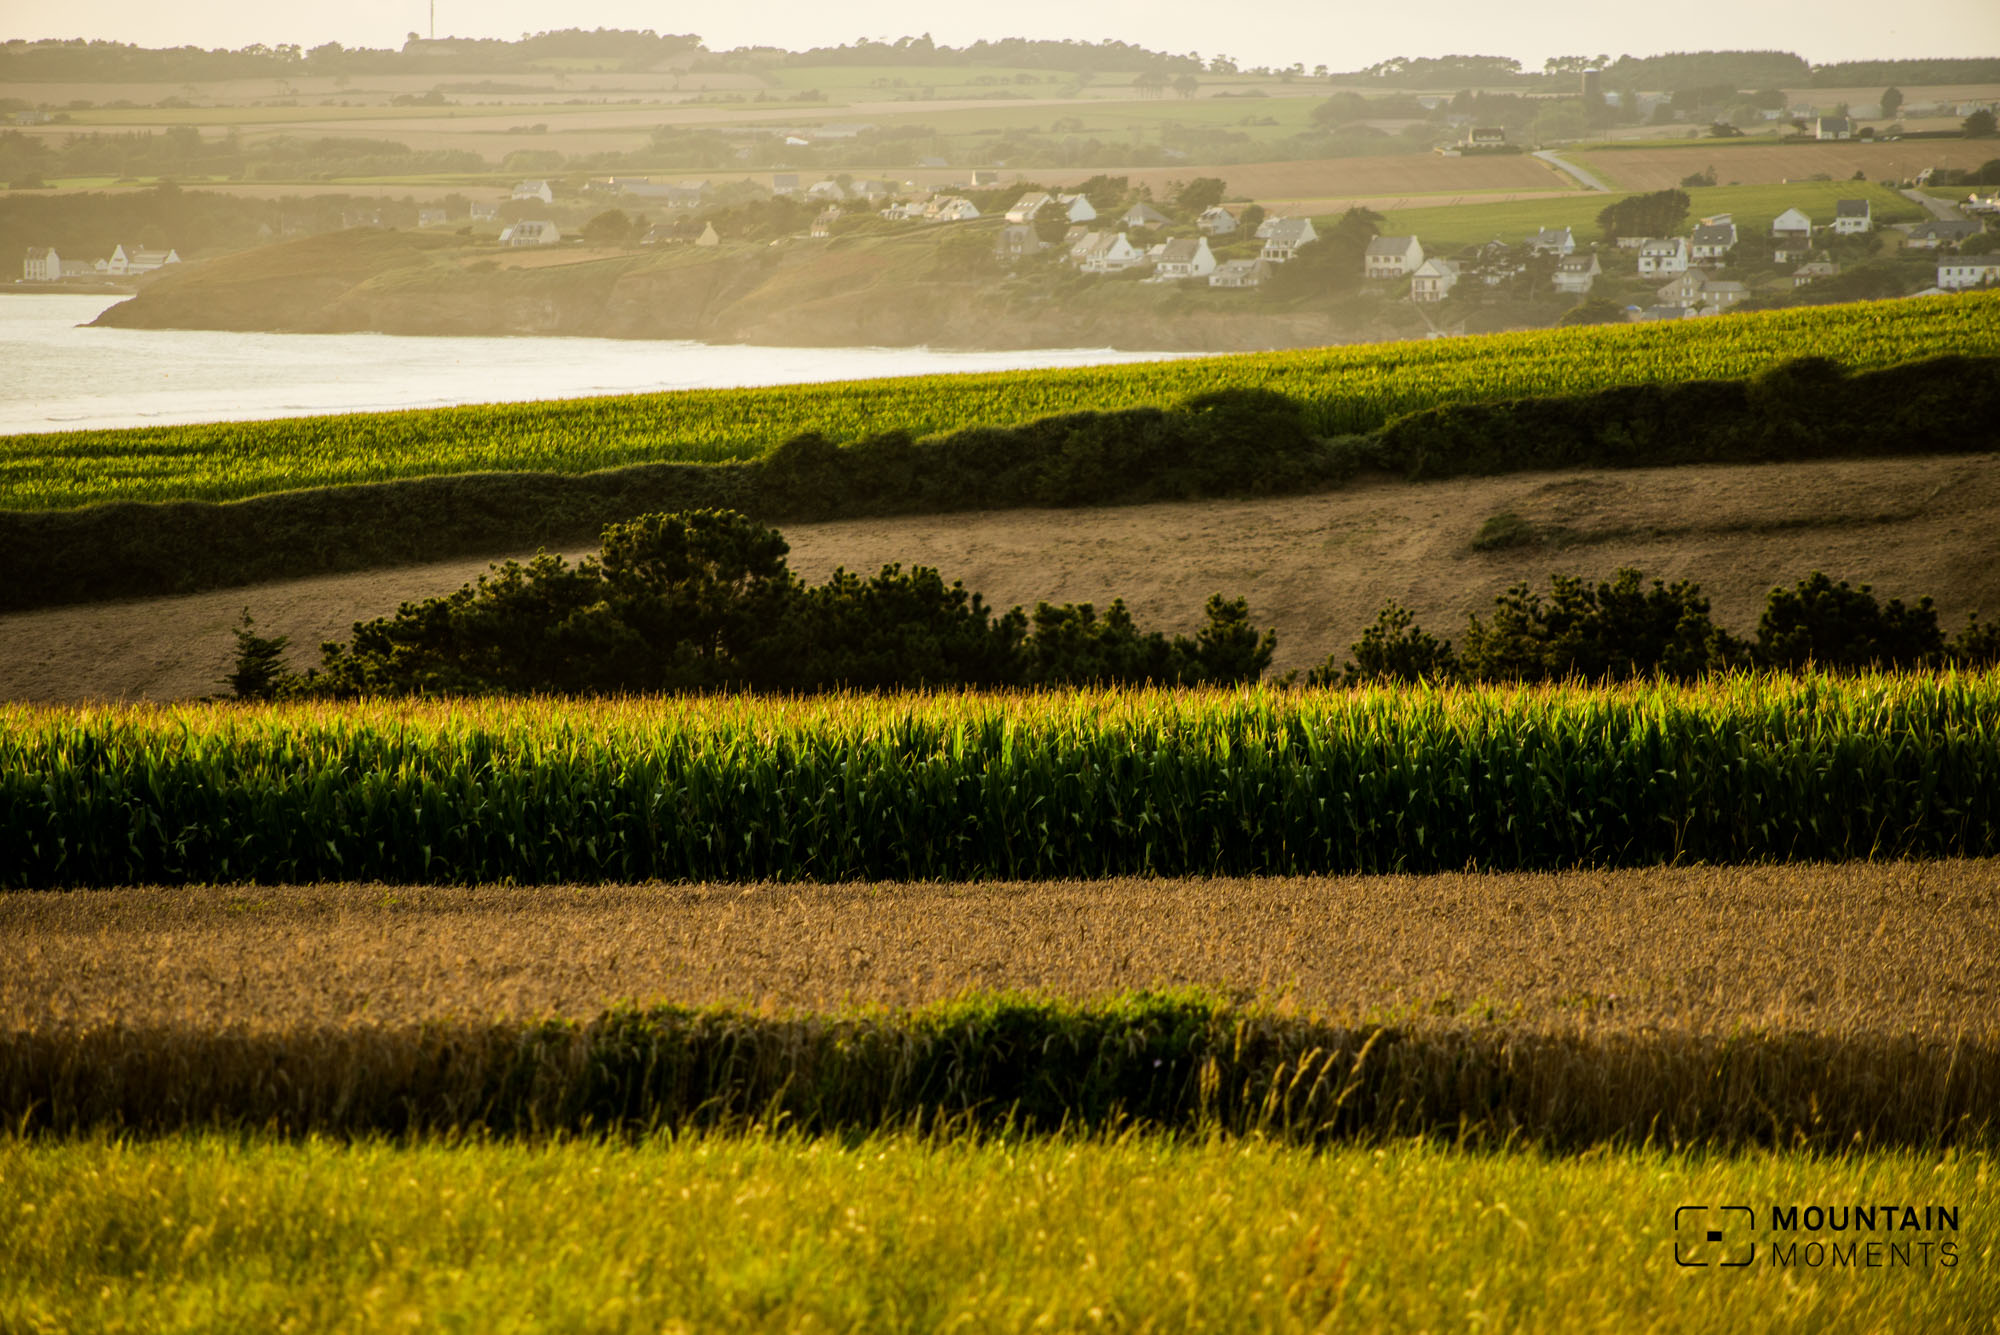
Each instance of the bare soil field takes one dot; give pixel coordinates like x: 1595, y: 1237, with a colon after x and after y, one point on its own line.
x: 1661, y: 168
x: 1315, y: 567
x: 1890, y: 950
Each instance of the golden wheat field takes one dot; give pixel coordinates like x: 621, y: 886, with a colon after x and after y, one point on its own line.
x: 1861, y: 948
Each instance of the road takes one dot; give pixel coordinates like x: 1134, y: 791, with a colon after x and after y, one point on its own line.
x: 1941, y: 209
x: 1563, y: 164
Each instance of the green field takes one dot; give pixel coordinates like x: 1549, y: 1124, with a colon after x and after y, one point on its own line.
x: 1344, y: 389
x: 898, y: 1233
x: 1445, y: 229
x: 1049, y: 784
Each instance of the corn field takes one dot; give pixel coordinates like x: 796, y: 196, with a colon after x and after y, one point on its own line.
x: 1344, y: 389
x: 1089, y: 784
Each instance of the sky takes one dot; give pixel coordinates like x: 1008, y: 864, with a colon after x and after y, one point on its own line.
x: 1341, y: 36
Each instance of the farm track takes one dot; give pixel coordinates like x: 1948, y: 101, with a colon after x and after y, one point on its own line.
x: 1862, y: 952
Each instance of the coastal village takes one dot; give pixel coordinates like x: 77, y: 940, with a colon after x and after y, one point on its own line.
x: 1714, y: 266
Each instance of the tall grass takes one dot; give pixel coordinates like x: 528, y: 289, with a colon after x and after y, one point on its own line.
x: 960, y: 787
x: 1162, y: 1061
x: 1343, y: 389
x: 900, y: 1233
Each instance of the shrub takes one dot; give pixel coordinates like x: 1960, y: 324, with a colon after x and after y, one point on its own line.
x: 1827, y: 625
x: 1393, y: 649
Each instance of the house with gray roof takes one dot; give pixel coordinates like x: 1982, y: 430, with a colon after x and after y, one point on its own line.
x: 1239, y: 273
x: 1185, y: 257
x: 1852, y: 217
x: 1143, y: 214
x: 1216, y: 221
x: 1282, y: 242
x: 1713, y: 239
x: 1833, y: 127
x: 1556, y: 241
x: 1391, y: 257
x: 1941, y: 233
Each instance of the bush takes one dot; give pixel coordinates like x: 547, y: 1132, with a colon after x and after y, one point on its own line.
x: 1613, y: 629
x: 1393, y: 649
x: 1818, y: 623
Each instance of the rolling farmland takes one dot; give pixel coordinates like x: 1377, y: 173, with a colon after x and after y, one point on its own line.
x: 1343, y: 389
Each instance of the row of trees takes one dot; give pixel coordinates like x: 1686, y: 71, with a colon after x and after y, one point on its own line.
x: 1618, y: 629
x: 703, y: 600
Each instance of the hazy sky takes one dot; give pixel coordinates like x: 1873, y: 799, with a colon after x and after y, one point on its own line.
x: 1344, y: 36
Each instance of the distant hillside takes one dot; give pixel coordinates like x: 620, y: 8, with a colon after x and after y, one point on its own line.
x: 928, y: 286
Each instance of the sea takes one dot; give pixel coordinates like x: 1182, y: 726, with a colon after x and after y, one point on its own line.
x: 56, y: 374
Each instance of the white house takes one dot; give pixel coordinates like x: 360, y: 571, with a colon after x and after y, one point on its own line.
x: 828, y: 191
x: 1185, y: 257
x: 1077, y: 208
x: 1557, y: 241
x: 531, y: 232
x: 709, y: 236
x: 1807, y: 273
x: 1663, y: 256
x: 1391, y: 257
x: 1239, y: 273
x: 1216, y: 221
x: 1964, y: 271
x: 1028, y: 207
x: 1106, y: 252
x: 1791, y: 225
x: 484, y: 212
x: 1433, y: 279
x: 1143, y: 215
x: 43, y: 265
x: 432, y: 217
x: 135, y: 260
x: 1575, y: 274
x: 1713, y: 239
x: 1833, y: 127
x: 1282, y: 242
x: 951, y: 208
x: 534, y: 190
x: 982, y: 178
x: 1851, y: 217
x: 785, y: 183
x: 823, y: 221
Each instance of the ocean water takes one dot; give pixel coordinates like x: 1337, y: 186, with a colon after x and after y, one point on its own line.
x: 56, y: 375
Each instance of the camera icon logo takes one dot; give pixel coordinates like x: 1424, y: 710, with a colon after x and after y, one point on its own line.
x: 1703, y: 1236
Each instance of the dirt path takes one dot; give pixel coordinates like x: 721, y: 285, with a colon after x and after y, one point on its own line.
x: 1315, y: 567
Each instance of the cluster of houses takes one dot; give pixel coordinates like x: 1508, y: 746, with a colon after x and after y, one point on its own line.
x: 1688, y: 264
x: 45, y: 265
x: 1110, y: 249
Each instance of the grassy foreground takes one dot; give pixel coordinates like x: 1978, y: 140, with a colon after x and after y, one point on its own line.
x: 1342, y: 389
x: 899, y: 1233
